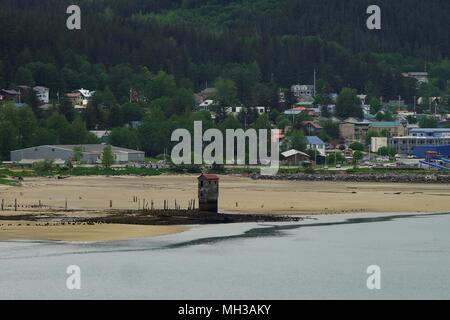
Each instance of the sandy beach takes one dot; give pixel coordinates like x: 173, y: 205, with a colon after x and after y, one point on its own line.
x: 29, y: 230
x: 237, y: 194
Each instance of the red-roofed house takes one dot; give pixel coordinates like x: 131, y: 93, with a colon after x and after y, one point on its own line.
x: 312, y: 128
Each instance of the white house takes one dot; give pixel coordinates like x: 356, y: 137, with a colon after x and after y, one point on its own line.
x: 206, y: 104
x: 315, y: 143
x: 43, y: 94
x: 261, y: 109
x: 301, y: 91
x: 86, y: 95
x: 234, y: 110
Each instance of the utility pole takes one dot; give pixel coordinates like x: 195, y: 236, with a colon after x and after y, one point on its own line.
x: 314, y: 82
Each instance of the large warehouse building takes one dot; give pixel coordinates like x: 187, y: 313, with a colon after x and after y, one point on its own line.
x: 91, y: 154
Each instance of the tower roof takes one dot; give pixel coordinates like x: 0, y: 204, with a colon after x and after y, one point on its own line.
x: 207, y: 176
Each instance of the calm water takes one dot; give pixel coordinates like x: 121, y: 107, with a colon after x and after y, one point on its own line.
x: 324, y: 258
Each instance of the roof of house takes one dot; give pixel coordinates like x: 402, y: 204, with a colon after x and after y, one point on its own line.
x: 11, y: 92
x: 315, y: 125
x: 40, y: 88
x: 293, y: 152
x: 73, y: 94
x: 305, y: 103
x: 314, y: 140
x: 385, y: 124
x: 356, y: 121
x: 208, y: 176
x: 100, y: 133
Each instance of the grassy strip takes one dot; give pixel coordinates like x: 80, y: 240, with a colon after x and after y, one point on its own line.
x: 8, y: 182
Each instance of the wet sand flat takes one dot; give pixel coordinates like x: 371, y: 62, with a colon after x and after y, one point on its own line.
x: 237, y: 194
x: 28, y: 230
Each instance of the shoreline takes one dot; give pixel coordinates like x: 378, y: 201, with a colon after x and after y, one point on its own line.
x: 82, y: 232
x: 243, y: 199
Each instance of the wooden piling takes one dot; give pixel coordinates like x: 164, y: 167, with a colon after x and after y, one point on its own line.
x: 15, y: 204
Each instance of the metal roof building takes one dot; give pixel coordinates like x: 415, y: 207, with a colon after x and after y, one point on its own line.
x: 91, y: 153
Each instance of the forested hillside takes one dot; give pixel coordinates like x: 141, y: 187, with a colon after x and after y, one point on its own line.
x: 199, y: 39
x: 167, y: 50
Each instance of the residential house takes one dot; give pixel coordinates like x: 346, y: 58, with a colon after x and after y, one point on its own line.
x: 315, y: 143
x: 303, y: 92
x: 312, y: 128
x: 206, y: 94
x: 12, y: 95
x: 43, y: 94
x: 102, y: 135
x: 80, y: 98
x: 206, y: 104
x: 362, y: 98
x: 76, y: 99
x: 234, y: 110
x: 260, y: 110
x: 421, y: 77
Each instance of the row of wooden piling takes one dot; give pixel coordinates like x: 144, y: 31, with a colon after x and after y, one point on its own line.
x: 143, y: 204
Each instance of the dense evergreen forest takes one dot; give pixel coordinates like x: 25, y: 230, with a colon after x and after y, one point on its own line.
x: 203, y: 39
x: 166, y: 50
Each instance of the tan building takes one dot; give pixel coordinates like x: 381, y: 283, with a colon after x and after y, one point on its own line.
x: 395, y: 128
x: 353, y: 129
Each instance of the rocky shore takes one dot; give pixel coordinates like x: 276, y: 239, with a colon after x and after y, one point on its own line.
x: 392, y: 178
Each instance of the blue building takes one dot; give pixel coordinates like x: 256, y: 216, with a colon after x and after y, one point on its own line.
x: 315, y: 143
x: 430, y: 132
x: 443, y: 151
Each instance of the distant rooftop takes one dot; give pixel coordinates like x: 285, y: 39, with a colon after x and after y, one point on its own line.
x: 430, y: 130
x: 385, y: 124
x: 314, y: 140
x: 93, y: 148
x: 293, y: 152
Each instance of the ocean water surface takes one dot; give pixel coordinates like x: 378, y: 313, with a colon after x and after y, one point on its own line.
x: 322, y: 258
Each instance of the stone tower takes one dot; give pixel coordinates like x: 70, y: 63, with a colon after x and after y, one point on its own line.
x: 208, y: 193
